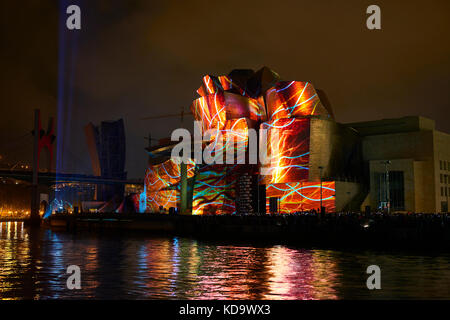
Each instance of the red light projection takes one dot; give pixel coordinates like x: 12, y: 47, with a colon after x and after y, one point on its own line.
x: 231, y: 105
x: 214, y: 109
x: 214, y: 191
x: 288, y: 150
x: 228, y: 85
x: 161, y: 184
x: 210, y: 85
x: 302, y: 196
x: 293, y: 99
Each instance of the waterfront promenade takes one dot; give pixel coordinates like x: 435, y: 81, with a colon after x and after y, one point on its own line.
x: 411, y: 231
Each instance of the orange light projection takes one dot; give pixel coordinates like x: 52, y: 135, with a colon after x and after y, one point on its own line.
x: 230, y: 105
x: 302, y: 196
x: 293, y: 99
x: 288, y: 150
x: 161, y: 183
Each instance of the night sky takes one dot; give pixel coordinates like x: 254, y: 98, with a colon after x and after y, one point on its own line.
x: 133, y: 59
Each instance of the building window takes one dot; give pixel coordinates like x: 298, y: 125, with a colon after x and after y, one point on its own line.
x: 442, y: 191
x: 444, y: 206
x: 445, y: 165
x: 440, y: 164
x: 441, y: 178
x: 445, y: 191
x: 396, y: 189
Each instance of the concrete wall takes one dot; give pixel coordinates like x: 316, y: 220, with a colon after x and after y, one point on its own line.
x: 441, y: 143
x: 414, y: 153
x: 348, y: 196
x: 416, y: 145
x: 411, y: 143
x: 404, y: 165
x: 321, y: 146
x: 334, y: 147
x: 422, y: 202
x: 389, y: 126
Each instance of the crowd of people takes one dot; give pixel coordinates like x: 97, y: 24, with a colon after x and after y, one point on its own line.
x: 338, y: 228
x: 343, y: 220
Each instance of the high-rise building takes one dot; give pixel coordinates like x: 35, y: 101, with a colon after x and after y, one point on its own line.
x: 106, y: 145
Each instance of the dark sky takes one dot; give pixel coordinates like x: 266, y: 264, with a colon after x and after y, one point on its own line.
x: 133, y: 59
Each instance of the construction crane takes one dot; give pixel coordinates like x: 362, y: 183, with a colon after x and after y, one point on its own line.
x: 177, y: 115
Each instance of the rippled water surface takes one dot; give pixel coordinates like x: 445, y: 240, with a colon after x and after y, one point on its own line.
x: 33, y: 265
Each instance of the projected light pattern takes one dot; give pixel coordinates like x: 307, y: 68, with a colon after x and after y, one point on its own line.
x: 140, y: 202
x: 302, y: 196
x: 228, y: 107
x: 293, y: 99
x: 228, y: 85
x: 137, y: 200
x: 214, y: 191
x: 214, y: 110
x: 210, y: 110
x: 288, y: 150
x: 161, y: 183
x: 233, y: 138
x: 57, y: 205
x: 211, y: 85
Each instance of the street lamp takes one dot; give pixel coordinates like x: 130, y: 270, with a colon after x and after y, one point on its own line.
x: 386, y: 181
x: 320, y: 168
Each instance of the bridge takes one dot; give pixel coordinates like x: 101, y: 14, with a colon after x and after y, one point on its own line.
x: 44, y: 141
x: 51, y: 178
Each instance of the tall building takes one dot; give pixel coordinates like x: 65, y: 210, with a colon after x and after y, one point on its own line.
x: 106, y: 145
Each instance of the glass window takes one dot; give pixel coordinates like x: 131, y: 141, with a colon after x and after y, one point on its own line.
x: 445, y: 165
x: 444, y: 206
x: 440, y: 164
x: 396, y: 189
x: 441, y: 179
x: 442, y: 191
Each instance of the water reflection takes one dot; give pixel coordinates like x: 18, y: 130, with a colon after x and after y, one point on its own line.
x: 300, y: 274
x: 33, y: 264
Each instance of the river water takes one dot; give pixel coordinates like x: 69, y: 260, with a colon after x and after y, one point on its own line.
x: 33, y: 265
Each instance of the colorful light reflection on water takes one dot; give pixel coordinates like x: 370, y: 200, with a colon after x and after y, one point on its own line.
x: 33, y: 264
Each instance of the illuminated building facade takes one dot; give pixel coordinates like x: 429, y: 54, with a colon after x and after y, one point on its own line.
x: 313, y: 162
x: 289, y: 111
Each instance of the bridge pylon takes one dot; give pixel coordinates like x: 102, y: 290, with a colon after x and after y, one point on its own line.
x: 41, y: 140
